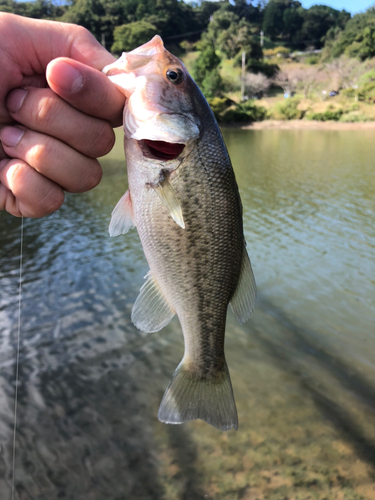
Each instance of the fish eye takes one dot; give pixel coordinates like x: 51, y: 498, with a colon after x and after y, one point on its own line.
x: 175, y: 75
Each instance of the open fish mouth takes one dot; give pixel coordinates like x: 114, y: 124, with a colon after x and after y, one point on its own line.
x: 160, y: 150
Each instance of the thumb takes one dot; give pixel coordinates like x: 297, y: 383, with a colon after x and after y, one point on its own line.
x: 86, y: 89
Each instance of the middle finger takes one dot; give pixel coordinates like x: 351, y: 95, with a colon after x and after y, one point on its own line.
x: 52, y: 158
x: 44, y: 111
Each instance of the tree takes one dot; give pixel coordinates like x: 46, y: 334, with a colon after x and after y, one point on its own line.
x: 368, y: 45
x: 256, y: 84
x: 307, y: 79
x: 231, y: 35
x: 206, y: 73
x: 38, y: 9
x: 129, y: 36
x: 287, y: 80
x: 100, y: 17
x: 347, y: 71
x: 355, y: 40
x: 292, y: 21
x: 317, y: 21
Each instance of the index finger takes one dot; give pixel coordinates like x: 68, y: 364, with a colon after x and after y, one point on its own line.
x: 86, y: 88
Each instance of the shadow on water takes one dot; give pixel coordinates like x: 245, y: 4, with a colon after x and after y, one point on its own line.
x: 185, y: 456
x: 297, y: 362
x: 101, y: 420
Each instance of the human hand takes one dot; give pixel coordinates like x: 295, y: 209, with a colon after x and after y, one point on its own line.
x: 56, y: 115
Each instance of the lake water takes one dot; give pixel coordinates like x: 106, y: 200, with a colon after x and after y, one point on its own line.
x: 302, y: 368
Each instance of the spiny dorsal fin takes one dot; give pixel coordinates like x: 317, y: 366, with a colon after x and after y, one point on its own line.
x: 122, y: 216
x: 151, y: 311
x: 169, y: 199
x: 243, y: 300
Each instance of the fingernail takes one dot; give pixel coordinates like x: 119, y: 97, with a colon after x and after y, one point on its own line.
x: 3, y: 163
x: 11, y: 136
x: 15, y: 100
x: 66, y: 77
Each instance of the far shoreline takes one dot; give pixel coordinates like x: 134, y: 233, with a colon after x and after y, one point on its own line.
x: 301, y: 125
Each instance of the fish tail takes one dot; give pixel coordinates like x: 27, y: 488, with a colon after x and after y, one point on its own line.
x: 191, y: 395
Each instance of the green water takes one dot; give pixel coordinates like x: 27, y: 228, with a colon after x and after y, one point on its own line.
x: 303, y: 367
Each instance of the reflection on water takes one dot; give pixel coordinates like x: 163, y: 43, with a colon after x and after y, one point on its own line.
x: 303, y: 368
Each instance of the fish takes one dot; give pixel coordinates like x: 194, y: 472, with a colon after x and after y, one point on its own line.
x: 184, y: 201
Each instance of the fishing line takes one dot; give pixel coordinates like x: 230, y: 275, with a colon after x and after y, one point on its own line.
x: 17, y: 363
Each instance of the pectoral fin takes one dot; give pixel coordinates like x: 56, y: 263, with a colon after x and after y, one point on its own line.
x: 122, y: 216
x: 243, y: 300
x: 151, y: 311
x: 169, y: 199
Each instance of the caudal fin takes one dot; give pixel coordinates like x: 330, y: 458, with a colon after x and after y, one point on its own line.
x: 190, y: 396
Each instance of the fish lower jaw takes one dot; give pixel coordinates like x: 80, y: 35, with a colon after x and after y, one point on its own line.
x: 160, y: 150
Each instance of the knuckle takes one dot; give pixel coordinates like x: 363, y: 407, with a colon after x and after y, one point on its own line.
x: 44, y: 110
x: 102, y: 141
x: 49, y: 203
x: 93, y: 176
x: 16, y: 176
x: 38, y: 154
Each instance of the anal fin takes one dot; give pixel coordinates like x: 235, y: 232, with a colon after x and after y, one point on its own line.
x: 243, y: 300
x: 151, y: 311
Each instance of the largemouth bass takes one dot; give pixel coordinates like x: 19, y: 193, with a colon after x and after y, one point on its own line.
x: 184, y: 201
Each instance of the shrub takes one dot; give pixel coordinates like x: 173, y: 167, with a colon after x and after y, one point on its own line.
x: 350, y: 92
x: 128, y: 36
x: 234, y: 114
x: 270, y: 70
x: 329, y: 115
x: 256, y: 66
x: 353, y: 117
x: 367, y: 93
x: 289, y: 109
x: 277, y: 51
x: 219, y: 105
x: 227, y: 111
x: 255, y: 113
x: 312, y: 60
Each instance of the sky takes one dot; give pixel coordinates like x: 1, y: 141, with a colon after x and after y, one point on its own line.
x: 352, y: 6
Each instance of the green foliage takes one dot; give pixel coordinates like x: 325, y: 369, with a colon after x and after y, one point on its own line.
x: 276, y: 51
x: 255, y: 112
x: 367, y: 93
x: 314, y: 59
x: 353, y: 118
x: 350, y: 92
x: 302, y: 27
x: 357, y: 39
x: 231, y: 35
x: 318, y: 20
x: 328, y: 115
x: 39, y: 9
x: 219, y: 105
x: 206, y: 73
x: 255, y: 66
x: 129, y: 36
x: 367, y: 47
x: 288, y: 110
x: 101, y: 17
x: 273, y: 18
x: 227, y: 111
